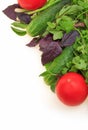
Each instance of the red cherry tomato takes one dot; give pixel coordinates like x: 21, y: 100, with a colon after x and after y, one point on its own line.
x: 31, y: 4
x: 71, y: 89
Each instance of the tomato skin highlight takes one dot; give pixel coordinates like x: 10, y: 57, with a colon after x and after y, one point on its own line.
x: 71, y: 89
x: 31, y: 4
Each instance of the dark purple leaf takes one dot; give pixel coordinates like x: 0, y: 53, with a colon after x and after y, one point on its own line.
x: 24, y: 18
x: 10, y: 11
x: 50, y: 48
x: 52, y: 51
x: 44, y: 42
x: 70, y: 38
x: 33, y: 42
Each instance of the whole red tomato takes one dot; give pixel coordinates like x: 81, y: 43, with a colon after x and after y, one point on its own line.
x: 31, y: 4
x: 71, y: 89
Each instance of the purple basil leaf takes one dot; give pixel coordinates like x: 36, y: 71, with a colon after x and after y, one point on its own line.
x: 44, y: 42
x: 24, y: 18
x: 69, y: 39
x: 10, y: 11
x: 52, y: 51
x: 33, y: 42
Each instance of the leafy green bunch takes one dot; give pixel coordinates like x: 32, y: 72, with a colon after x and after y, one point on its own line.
x: 71, y: 17
x: 67, y: 18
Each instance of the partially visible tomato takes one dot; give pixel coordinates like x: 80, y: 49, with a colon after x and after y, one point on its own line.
x: 31, y: 4
x: 71, y: 89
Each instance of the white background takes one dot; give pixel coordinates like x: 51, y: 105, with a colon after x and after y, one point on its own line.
x: 26, y: 103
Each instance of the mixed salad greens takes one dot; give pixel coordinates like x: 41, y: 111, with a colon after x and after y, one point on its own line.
x: 63, y: 42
